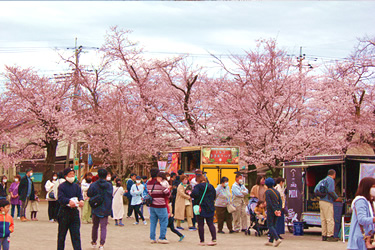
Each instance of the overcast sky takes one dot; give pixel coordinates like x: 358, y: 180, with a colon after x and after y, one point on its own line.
x: 29, y: 31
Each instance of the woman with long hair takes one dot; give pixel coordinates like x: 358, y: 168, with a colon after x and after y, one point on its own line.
x: 86, y: 209
x: 363, y: 214
x: 52, y: 199
x: 259, y: 189
x: 118, y: 203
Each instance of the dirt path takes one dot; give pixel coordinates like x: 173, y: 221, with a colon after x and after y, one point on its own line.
x: 42, y: 235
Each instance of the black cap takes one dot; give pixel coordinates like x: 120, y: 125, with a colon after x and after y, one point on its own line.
x: 138, y: 178
x: 67, y: 171
x: 4, y: 203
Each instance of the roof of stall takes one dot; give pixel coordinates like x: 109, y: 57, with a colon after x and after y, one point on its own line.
x: 194, y: 148
x: 183, y: 149
x: 322, y: 160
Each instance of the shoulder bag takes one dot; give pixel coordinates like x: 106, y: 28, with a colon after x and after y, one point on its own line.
x: 97, y: 199
x: 147, y: 200
x: 230, y: 207
x: 197, y: 208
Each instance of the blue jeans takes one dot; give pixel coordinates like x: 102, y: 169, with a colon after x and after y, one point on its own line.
x: 14, y: 208
x: 160, y: 214
x: 5, y: 243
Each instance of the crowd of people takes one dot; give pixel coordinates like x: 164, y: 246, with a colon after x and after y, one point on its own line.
x: 171, y: 198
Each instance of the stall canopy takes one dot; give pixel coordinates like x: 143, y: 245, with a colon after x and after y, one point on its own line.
x: 322, y: 160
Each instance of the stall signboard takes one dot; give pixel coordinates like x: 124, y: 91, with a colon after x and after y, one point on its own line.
x: 366, y: 170
x: 294, y: 197
x: 220, y: 155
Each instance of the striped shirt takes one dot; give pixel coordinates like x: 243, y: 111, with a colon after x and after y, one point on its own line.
x: 158, y: 194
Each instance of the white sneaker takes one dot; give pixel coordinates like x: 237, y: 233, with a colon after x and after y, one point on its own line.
x: 135, y: 223
x: 93, y: 245
x: 163, y: 241
x: 101, y: 247
x: 277, y: 243
x: 51, y: 221
x: 18, y: 218
x: 145, y: 222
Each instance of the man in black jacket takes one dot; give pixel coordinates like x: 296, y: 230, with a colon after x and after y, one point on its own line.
x: 26, y: 192
x: 69, y: 198
x: 100, y: 213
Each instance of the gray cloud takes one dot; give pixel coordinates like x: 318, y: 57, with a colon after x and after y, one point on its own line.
x: 323, y: 28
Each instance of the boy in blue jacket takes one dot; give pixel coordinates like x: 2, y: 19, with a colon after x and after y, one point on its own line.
x: 6, y: 224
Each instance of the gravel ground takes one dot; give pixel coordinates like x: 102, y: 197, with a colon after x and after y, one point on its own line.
x: 42, y: 235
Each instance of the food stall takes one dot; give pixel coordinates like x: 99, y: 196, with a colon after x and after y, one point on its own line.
x: 215, y: 161
x: 302, y: 177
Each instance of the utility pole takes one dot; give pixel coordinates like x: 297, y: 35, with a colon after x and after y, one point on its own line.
x: 300, y: 59
x: 77, y: 51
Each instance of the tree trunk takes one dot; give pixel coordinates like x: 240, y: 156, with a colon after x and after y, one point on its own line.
x: 50, y: 165
x: 276, y: 172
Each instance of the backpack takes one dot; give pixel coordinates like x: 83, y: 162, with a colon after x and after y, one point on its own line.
x: 321, y: 189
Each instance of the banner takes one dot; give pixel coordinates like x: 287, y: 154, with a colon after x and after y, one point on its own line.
x: 220, y: 155
x: 366, y: 170
x: 294, y: 197
x: 76, y: 164
x: 162, y: 165
x: 172, y: 163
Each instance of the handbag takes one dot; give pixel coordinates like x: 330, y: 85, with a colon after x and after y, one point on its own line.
x: 197, y: 208
x: 51, y: 195
x: 231, y: 208
x: 147, y: 200
x: 369, y: 239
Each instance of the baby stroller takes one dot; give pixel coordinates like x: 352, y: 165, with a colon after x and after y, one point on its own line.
x: 254, y: 224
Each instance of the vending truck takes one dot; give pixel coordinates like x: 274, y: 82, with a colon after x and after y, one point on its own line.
x: 214, y: 161
x: 302, y: 177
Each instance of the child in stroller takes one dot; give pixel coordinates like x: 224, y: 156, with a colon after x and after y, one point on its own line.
x: 257, y: 222
x: 260, y: 212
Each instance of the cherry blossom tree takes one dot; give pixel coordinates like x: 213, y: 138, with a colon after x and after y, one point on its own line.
x: 346, y: 94
x: 265, y: 103
x: 175, y: 95
x: 41, y: 104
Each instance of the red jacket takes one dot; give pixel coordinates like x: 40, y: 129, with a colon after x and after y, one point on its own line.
x: 6, y: 225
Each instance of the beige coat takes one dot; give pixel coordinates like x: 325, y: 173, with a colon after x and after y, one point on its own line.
x: 255, y: 192
x: 180, y: 206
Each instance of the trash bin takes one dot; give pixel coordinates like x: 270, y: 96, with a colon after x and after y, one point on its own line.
x: 337, y: 211
x: 298, y: 228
